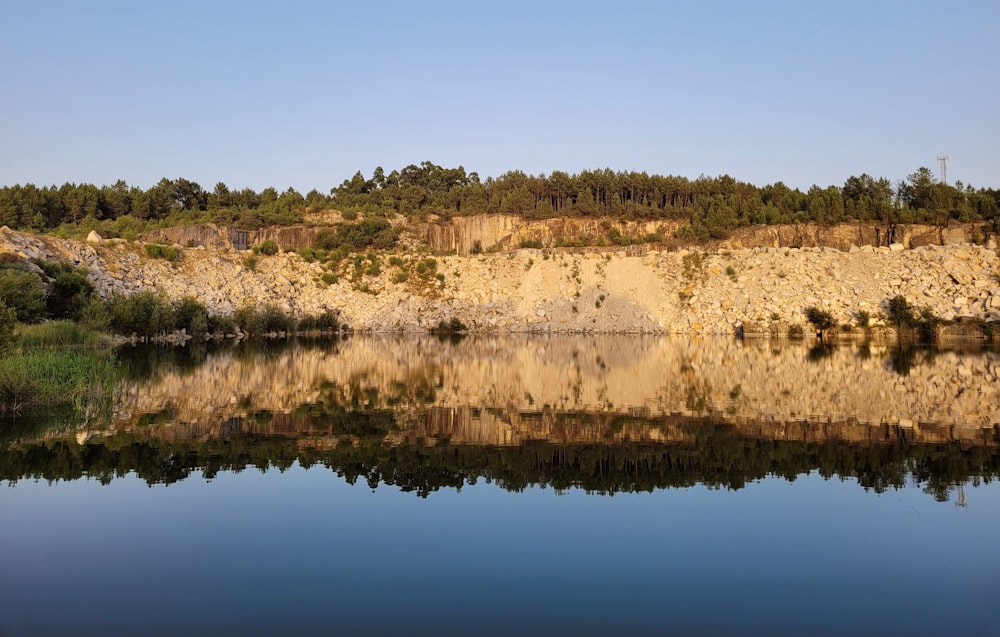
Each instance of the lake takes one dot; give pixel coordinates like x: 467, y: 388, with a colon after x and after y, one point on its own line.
x: 556, y: 485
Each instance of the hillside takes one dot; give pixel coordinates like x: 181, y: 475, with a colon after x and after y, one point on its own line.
x: 759, y: 280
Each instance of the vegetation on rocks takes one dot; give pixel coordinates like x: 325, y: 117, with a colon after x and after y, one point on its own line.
x: 709, y: 207
x: 822, y: 320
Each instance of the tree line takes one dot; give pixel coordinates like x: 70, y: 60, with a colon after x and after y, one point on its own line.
x: 710, y: 207
x: 718, y: 459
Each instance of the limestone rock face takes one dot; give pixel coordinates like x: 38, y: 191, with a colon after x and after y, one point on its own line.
x: 635, y: 289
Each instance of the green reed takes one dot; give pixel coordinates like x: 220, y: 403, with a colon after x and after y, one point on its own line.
x: 31, y: 379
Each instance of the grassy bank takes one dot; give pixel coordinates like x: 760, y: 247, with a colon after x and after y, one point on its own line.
x: 56, y: 363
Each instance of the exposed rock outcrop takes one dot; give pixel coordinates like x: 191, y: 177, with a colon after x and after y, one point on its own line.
x: 748, y: 290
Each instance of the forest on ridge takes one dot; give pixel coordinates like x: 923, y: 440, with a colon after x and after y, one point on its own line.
x: 709, y: 207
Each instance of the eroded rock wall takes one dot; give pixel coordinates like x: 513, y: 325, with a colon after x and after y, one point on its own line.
x: 726, y: 291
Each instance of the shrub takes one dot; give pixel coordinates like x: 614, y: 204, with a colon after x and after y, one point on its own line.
x: 370, y: 233
x: 275, y: 320
x: 329, y: 278
x: 795, y: 331
x: 453, y: 326
x: 307, y: 255
x: 249, y: 320
x: 927, y: 324
x: 323, y: 322
x: 190, y: 315
x: 901, y: 312
x: 820, y: 319
x: 250, y: 263
x: 7, y: 319
x: 144, y: 314
x: 95, y: 315
x: 400, y: 277
x: 23, y: 292
x: 69, y: 289
x: 221, y: 324
x: 161, y: 251
x: 862, y: 318
x: 268, y: 247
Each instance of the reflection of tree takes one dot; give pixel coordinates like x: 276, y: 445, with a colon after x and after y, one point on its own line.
x: 906, y: 356
x: 712, y: 454
x: 819, y: 351
x: 902, y: 358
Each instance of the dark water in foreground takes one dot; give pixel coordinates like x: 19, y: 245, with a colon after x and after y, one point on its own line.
x: 514, y: 487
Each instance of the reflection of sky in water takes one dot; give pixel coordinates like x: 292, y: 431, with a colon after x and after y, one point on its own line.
x: 283, y: 553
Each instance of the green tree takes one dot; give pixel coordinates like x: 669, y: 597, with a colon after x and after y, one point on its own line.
x: 821, y: 320
x: 7, y: 319
x: 23, y: 292
x: 900, y: 312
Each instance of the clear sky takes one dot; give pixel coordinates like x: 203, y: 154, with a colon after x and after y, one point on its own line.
x: 304, y: 94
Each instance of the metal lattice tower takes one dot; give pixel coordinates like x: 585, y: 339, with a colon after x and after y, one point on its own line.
x: 943, y: 162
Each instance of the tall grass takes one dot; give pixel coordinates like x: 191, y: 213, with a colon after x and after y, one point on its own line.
x: 50, y: 377
x: 56, y: 363
x: 59, y: 334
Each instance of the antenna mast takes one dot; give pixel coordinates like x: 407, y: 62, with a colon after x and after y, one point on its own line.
x: 943, y: 162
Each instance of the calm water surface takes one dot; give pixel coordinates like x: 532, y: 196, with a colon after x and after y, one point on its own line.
x: 557, y: 486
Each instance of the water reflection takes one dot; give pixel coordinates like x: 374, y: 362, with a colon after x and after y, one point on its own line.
x: 725, y: 378
x: 606, y: 414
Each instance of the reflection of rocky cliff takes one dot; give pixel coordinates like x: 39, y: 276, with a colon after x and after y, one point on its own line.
x: 604, y: 414
x: 568, y: 389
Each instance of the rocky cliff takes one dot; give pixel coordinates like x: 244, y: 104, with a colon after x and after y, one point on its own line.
x: 649, y: 288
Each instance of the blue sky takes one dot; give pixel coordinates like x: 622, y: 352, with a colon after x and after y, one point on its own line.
x: 304, y: 94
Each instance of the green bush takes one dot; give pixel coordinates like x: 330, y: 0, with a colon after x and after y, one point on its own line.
x: 862, y: 318
x: 23, y: 292
x: 373, y: 233
x: 901, y: 312
x: 453, y: 326
x: 221, y: 324
x: 7, y: 320
x: 820, y: 319
x: 161, y: 251
x: 95, y: 315
x: 249, y: 319
x: 250, y: 263
x: 190, y: 315
x: 329, y: 278
x: 307, y: 255
x: 927, y: 324
x: 268, y: 247
x: 144, y: 314
x: 69, y: 289
x: 323, y: 322
x: 275, y: 320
